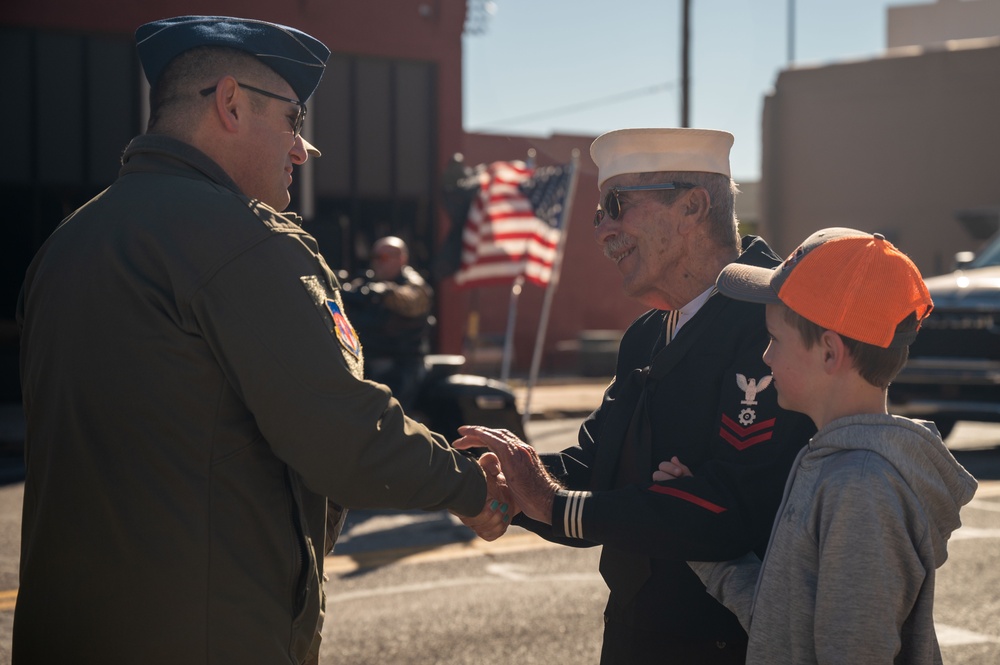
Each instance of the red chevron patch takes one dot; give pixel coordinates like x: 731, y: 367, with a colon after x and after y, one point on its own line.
x: 740, y: 437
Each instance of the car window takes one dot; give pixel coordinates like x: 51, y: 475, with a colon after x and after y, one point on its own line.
x: 989, y: 256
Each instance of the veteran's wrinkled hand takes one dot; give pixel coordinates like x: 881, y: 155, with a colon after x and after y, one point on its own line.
x: 530, y: 483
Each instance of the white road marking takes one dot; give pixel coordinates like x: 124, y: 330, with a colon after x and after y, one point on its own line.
x: 981, y: 504
x: 508, y: 571
x: 361, y: 594
x: 950, y: 636
x: 971, y: 532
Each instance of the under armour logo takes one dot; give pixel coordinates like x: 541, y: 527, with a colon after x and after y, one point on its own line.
x: 752, y: 387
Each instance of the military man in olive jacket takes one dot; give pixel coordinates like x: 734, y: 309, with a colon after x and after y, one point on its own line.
x: 193, y: 389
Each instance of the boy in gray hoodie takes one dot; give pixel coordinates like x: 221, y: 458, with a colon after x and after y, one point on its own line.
x: 872, y: 499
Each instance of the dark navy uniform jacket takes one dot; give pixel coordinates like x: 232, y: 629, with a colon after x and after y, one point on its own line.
x: 706, y: 398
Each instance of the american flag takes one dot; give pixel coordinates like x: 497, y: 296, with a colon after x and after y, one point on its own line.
x: 514, y: 224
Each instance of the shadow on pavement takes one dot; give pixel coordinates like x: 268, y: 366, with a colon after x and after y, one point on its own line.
x: 376, y: 538
x: 983, y: 463
x: 11, y: 468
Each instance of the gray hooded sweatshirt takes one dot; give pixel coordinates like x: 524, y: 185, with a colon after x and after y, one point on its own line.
x: 849, y: 572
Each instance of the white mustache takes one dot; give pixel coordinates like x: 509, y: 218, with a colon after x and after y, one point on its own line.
x: 618, y: 245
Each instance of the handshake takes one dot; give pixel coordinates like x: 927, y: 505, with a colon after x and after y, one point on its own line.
x: 516, y: 481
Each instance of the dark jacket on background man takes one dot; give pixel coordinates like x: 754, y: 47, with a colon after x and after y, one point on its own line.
x: 392, y: 315
x: 393, y: 320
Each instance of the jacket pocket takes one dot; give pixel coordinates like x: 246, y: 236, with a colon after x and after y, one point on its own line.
x: 307, y: 592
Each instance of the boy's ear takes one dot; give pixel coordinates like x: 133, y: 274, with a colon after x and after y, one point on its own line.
x: 834, y: 352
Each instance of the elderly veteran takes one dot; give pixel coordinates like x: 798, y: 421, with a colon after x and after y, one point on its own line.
x: 193, y: 388
x: 689, y: 383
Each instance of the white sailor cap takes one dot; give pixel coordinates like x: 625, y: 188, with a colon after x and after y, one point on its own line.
x: 661, y: 149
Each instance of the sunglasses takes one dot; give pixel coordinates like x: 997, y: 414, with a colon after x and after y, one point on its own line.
x: 613, y: 206
x: 300, y: 119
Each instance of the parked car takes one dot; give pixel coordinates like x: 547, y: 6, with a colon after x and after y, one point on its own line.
x: 954, y: 368
x: 445, y: 398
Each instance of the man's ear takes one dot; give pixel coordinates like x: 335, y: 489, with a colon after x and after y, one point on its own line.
x: 228, y: 103
x: 696, y: 204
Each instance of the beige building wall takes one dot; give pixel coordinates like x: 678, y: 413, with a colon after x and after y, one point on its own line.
x: 748, y: 208
x: 901, y: 145
x: 934, y: 23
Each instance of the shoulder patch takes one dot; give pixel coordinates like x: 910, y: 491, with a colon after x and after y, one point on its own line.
x: 331, y: 309
x: 742, y: 429
x: 344, y: 329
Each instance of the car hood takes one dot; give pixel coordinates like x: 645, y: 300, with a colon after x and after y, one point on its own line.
x: 966, y: 289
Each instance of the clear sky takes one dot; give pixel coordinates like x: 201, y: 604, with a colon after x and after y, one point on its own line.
x: 590, y: 66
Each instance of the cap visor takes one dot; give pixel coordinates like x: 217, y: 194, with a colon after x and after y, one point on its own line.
x: 310, y: 148
x: 749, y: 283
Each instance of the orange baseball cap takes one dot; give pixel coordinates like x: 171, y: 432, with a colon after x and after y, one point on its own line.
x: 854, y: 283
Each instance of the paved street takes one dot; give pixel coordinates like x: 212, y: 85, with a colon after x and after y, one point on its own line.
x: 522, y: 600
x: 416, y: 588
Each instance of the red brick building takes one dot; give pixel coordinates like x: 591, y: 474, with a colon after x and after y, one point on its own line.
x: 387, y: 115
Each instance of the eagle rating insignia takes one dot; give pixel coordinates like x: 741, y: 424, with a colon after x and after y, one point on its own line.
x: 752, y: 387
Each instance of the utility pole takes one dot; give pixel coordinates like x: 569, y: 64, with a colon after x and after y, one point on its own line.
x: 685, y: 62
x: 791, y: 33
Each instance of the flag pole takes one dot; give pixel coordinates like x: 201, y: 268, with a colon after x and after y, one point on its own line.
x: 508, y: 338
x: 543, y: 321
x: 470, y: 343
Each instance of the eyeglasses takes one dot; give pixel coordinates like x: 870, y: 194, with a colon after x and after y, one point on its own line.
x: 300, y: 119
x: 613, y: 205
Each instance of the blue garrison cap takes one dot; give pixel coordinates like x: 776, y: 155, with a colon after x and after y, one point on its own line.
x: 294, y: 55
